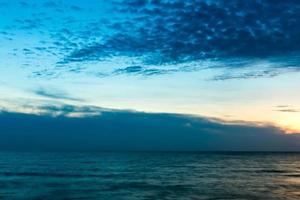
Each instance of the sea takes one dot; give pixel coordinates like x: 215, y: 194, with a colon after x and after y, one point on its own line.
x: 151, y: 176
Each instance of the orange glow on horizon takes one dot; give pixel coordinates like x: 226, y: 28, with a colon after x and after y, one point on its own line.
x: 291, y: 130
x: 290, y: 124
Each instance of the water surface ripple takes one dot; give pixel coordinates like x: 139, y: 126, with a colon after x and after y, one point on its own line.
x: 136, y: 176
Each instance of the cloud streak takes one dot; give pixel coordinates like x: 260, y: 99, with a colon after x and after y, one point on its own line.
x: 55, y: 94
x: 286, y: 109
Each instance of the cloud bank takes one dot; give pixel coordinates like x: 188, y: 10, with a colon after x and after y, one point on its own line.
x: 113, y: 130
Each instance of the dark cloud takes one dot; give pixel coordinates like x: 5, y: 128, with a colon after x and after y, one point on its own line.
x: 55, y: 94
x: 235, y: 34
x: 177, y: 31
x: 131, y: 69
x: 126, y: 130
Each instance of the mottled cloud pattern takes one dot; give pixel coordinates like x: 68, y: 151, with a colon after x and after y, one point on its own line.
x: 178, y: 31
x: 261, y: 36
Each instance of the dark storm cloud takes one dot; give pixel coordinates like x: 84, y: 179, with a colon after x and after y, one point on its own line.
x: 125, y: 130
x: 180, y: 31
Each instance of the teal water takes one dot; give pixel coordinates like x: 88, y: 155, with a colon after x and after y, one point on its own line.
x: 154, y: 176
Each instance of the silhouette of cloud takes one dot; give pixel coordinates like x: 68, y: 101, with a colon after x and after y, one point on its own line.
x: 127, y: 130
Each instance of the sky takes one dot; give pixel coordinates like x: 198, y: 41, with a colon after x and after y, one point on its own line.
x: 234, y: 64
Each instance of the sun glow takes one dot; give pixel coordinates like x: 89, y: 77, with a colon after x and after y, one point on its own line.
x: 291, y: 124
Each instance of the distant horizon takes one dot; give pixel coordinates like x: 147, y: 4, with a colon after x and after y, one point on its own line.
x: 123, y: 130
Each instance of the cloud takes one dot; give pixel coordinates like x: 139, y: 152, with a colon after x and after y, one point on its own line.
x: 138, y: 70
x: 246, y: 75
x: 157, y: 34
x: 176, y: 31
x: 288, y: 110
x: 168, y: 32
x: 55, y: 94
x: 128, y: 130
x: 282, y: 106
x: 69, y: 110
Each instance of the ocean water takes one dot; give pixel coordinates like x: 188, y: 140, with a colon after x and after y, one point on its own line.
x: 150, y: 176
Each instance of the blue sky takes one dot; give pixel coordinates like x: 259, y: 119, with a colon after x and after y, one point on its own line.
x: 234, y: 61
